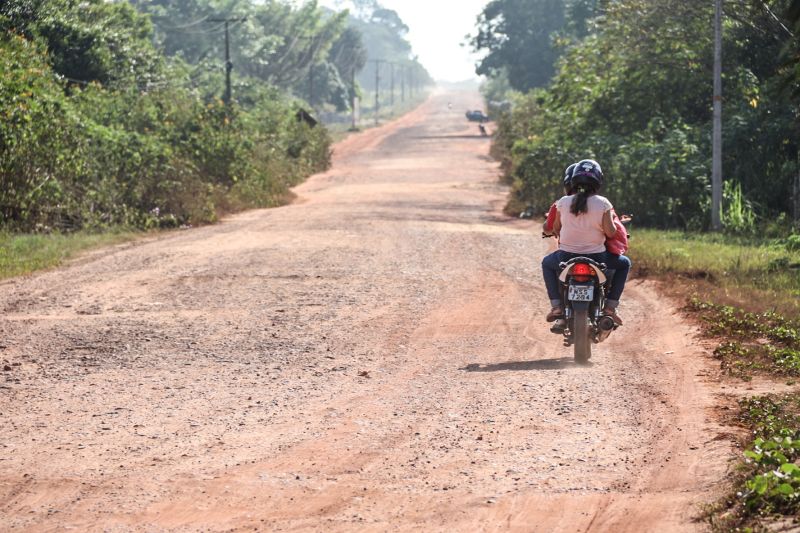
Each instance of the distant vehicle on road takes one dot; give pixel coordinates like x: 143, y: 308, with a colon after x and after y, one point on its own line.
x: 477, y: 116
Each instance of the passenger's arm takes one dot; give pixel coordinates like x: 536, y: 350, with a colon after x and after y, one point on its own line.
x: 608, y: 224
x: 547, y: 227
x: 557, y: 224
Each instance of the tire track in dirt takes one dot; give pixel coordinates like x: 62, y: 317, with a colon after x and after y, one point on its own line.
x: 372, y: 357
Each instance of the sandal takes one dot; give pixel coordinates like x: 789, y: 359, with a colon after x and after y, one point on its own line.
x: 554, y: 314
x: 612, y: 313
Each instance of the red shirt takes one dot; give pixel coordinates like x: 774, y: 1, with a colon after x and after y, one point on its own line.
x: 551, y: 217
x: 618, y: 244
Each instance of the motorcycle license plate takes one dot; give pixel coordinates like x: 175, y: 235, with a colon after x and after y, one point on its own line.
x: 581, y: 293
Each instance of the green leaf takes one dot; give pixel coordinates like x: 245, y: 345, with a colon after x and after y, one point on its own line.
x: 755, y: 456
x: 758, y: 484
x: 790, y: 469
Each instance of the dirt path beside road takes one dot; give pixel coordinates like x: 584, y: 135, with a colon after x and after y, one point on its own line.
x: 372, y: 357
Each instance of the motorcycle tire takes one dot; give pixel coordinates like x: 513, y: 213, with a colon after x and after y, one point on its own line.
x: 580, y: 333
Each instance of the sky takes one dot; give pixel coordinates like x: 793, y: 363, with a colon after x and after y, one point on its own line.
x: 436, y: 30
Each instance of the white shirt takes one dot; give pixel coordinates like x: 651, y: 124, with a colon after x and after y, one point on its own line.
x: 583, y: 234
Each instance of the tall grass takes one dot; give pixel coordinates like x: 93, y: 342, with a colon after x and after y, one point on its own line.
x: 737, y: 215
x: 747, y: 269
x: 23, y: 254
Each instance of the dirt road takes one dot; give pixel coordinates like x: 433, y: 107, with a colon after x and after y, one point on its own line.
x: 372, y: 357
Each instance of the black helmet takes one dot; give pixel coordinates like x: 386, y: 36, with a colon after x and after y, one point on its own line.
x: 587, y: 172
x: 568, y: 176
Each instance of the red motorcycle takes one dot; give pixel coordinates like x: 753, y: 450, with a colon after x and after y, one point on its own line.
x: 584, y: 286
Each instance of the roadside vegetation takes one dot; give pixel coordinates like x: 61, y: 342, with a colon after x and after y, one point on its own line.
x: 23, y: 254
x: 757, y: 273
x: 629, y: 83
x: 115, y: 115
x: 745, y: 293
x: 101, y: 129
x: 767, y: 482
x: 766, y: 343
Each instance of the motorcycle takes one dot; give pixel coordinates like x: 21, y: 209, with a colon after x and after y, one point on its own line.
x: 584, y: 286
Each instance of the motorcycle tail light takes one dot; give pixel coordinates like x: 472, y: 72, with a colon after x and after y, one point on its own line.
x: 582, y: 272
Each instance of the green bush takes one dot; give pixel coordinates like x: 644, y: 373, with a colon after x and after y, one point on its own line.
x: 792, y: 243
x: 74, y: 157
x: 771, y: 485
x: 38, y: 133
x: 634, y: 95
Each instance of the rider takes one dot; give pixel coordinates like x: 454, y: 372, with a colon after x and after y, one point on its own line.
x: 584, y: 221
x: 547, y: 230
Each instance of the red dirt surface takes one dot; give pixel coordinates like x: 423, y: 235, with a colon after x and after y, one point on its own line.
x: 373, y: 357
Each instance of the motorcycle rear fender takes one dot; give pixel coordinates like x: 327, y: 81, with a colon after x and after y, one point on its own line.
x: 567, y: 267
x: 578, y: 306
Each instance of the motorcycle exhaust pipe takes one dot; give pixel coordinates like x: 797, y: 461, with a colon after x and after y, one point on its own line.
x: 605, y: 325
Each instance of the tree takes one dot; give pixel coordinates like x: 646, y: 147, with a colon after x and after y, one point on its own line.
x: 92, y: 40
x: 791, y: 53
x: 635, y: 93
x: 285, y: 42
x: 273, y: 41
x: 516, y: 36
x: 349, y: 55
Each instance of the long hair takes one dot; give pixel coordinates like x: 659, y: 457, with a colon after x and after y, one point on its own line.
x: 579, y: 202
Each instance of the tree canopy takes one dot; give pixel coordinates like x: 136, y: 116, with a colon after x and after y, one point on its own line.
x: 634, y: 92
x: 101, y: 127
x: 517, y: 37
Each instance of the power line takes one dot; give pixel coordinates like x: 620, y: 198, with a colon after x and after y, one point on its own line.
x: 215, y: 29
x: 787, y: 30
x: 183, y: 27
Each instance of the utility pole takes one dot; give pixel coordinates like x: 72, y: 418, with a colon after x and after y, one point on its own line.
x: 391, y: 98
x: 796, y: 191
x: 716, y: 156
x: 402, y: 83
x: 311, y: 84
x: 228, y: 64
x: 377, y: 87
x: 353, y: 78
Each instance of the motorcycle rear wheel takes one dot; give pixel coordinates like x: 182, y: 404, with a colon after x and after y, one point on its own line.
x: 580, y: 335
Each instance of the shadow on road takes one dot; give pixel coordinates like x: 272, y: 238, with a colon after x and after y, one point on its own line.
x: 540, y: 364
x: 483, y: 137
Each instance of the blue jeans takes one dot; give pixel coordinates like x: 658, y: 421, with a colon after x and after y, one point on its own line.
x: 620, y: 264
